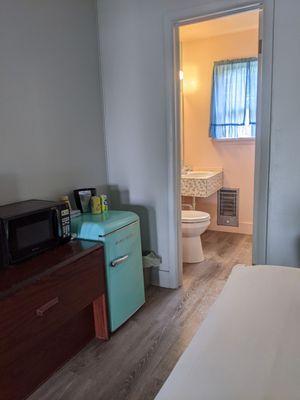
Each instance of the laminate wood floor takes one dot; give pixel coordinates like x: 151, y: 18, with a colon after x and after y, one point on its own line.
x: 134, y: 364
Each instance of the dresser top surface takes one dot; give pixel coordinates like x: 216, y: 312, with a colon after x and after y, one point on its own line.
x: 27, y: 271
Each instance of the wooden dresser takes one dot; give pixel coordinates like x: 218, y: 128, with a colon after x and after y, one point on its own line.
x: 50, y: 307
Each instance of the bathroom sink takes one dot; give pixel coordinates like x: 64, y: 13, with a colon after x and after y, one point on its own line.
x: 199, y: 174
x: 201, y: 183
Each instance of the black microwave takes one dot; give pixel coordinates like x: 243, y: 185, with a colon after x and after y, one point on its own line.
x: 30, y: 227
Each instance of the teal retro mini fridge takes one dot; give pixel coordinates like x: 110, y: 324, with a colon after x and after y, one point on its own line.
x: 119, y: 231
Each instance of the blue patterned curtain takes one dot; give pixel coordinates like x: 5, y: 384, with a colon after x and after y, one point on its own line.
x: 234, y: 99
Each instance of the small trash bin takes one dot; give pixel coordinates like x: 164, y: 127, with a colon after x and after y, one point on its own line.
x: 150, y: 260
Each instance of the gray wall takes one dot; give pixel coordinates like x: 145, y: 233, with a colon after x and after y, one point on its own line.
x: 132, y: 43
x: 132, y: 56
x: 51, y: 136
x: 284, y: 206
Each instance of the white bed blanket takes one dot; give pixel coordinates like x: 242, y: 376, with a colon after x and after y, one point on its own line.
x: 248, y: 347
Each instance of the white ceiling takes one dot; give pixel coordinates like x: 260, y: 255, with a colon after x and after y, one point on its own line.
x: 220, y: 26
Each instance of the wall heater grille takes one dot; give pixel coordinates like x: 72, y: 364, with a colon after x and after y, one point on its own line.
x: 228, y: 207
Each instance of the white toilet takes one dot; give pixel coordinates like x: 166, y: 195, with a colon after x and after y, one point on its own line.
x: 193, y: 224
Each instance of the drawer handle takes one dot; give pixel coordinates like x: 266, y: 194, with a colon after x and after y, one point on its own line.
x: 42, y: 310
x: 118, y: 261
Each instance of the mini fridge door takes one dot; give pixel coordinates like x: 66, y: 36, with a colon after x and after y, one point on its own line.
x: 125, y: 281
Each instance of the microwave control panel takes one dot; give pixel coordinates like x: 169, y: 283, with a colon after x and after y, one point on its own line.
x: 65, y: 223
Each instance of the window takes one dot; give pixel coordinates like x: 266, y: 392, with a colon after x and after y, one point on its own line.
x: 234, y: 99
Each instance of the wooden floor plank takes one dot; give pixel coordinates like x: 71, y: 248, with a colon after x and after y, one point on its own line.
x: 134, y: 364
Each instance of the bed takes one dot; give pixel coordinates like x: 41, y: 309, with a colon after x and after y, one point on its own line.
x: 248, y: 347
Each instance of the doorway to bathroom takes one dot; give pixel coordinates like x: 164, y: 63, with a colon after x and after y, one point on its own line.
x: 219, y: 62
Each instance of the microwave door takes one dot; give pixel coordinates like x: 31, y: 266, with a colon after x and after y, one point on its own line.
x: 31, y: 234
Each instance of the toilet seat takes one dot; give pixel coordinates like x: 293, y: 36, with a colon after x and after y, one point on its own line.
x: 188, y: 216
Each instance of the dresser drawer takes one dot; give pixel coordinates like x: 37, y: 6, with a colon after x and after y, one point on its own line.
x: 44, y: 305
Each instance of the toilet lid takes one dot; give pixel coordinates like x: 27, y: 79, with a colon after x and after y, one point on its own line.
x: 194, y: 216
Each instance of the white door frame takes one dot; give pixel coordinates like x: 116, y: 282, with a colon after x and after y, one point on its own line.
x: 262, y: 147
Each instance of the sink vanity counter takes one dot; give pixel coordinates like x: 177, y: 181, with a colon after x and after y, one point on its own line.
x: 201, y: 183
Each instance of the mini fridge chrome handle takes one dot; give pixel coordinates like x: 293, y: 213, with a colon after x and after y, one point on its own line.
x: 118, y: 261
